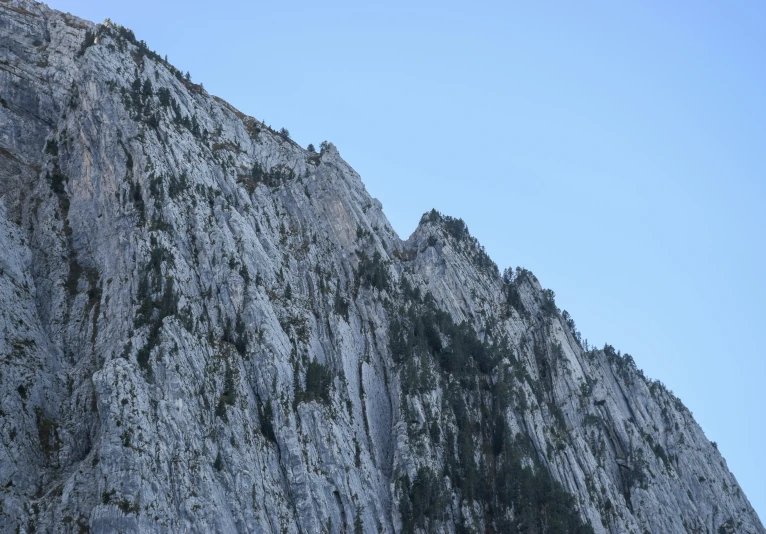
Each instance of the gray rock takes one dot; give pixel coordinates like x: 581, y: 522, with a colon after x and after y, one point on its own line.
x: 201, y: 329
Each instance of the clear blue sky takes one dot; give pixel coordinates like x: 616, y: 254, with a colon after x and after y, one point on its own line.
x: 616, y: 149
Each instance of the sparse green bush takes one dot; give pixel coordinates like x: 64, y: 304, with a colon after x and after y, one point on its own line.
x: 591, y: 419
x: 52, y: 148
x: 548, y: 304
x: 273, y: 177
x: 372, y: 272
x: 178, y: 185
x: 266, y: 416
x: 422, y: 500
x: 341, y: 305
x: 90, y: 40
x: 165, y: 307
x: 163, y: 93
x: 455, y: 227
x: 358, y: 524
x: 319, y: 381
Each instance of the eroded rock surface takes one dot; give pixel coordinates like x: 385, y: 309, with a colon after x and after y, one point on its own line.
x: 206, y: 328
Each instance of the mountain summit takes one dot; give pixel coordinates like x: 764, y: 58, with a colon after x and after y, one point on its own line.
x: 207, y: 328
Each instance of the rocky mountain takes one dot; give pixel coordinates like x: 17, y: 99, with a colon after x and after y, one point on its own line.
x: 207, y: 328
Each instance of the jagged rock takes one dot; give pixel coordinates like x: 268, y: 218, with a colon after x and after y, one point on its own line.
x: 208, y: 328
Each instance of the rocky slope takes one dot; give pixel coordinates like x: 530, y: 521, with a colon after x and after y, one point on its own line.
x: 206, y: 327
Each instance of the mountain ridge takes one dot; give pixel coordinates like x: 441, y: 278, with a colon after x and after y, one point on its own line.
x: 211, y: 328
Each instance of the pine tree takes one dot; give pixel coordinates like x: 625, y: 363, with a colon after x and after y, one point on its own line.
x: 147, y: 89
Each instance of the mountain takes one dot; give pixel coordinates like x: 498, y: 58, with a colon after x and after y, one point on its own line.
x: 207, y: 328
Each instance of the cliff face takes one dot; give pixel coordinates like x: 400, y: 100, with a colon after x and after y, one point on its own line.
x: 206, y: 327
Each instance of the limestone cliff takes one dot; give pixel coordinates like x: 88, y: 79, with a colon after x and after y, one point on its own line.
x: 206, y: 327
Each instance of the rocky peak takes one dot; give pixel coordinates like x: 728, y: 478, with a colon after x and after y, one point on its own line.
x: 208, y: 328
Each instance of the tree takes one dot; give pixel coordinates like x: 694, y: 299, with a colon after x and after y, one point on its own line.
x: 90, y: 39
x: 372, y: 272
x: 195, y: 126
x: 358, y: 524
x: 549, y: 302
x: 147, y: 89
x: 318, y: 382
x: 164, y: 94
x: 311, y: 148
x: 284, y: 132
x: 267, y: 422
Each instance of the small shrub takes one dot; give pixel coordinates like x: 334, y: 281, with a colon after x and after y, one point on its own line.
x: 341, y: 306
x: 318, y: 383
x: 591, y: 419
x: 266, y: 416
x: 164, y: 95
x: 90, y: 40
x: 549, y: 302
x: 47, y: 431
x: 425, y: 499
x: 455, y: 227
x: 178, y: 185
x: 52, y: 147
x: 372, y: 272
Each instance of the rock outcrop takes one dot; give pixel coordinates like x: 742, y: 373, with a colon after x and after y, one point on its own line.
x: 206, y: 327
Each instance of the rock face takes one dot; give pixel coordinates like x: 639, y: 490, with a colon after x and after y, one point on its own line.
x: 207, y: 328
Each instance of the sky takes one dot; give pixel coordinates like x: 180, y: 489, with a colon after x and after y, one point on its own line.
x: 615, y: 149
